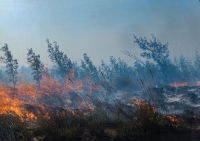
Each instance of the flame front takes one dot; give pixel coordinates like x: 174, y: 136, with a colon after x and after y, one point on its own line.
x: 13, y: 102
x: 28, y: 100
x: 174, y: 120
x: 183, y: 84
x: 178, y: 84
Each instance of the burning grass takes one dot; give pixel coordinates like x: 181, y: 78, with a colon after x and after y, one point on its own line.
x: 73, y: 111
x: 146, y: 124
x: 72, y: 102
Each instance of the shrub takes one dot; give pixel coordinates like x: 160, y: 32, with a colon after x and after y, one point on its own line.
x: 13, y: 129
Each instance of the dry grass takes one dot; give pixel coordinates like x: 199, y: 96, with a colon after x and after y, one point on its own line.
x: 147, y: 125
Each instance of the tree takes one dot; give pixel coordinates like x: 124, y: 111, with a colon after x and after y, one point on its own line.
x: 105, y: 71
x: 11, y: 65
x: 185, y: 68
x: 2, y: 77
x: 119, y: 68
x: 36, y: 65
x: 153, y: 49
x: 197, y: 65
x: 158, y: 52
x: 61, y: 60
x: 89, y: 68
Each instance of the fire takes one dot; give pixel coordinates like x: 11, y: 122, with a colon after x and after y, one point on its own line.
x: 148, y: 108
x: 144, y: 106
x: 137, y: 102
x: 27, y: 101
x: 198, y: 83
x: 174, y: 120
x: 177, y: 84
x: 8, y: 104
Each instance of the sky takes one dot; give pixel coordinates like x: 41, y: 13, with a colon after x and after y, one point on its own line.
x: 100, y: 28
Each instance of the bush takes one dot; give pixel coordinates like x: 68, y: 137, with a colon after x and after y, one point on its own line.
x: 148, y: 118
x: 13, y: 129
x: 61, y: 127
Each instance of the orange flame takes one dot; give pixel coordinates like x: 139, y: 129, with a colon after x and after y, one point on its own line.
x: 177, y: 84
x: 174, y: 120
x: 198, y: 83
x: 15, y: 102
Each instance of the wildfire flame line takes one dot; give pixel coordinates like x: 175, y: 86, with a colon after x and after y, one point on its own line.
x: 30, y: 94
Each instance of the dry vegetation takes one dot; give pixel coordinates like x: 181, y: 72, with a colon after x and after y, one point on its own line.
x: 79, y: 103
x: 147, y: 124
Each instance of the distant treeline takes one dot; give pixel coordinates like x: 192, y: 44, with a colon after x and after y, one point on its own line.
x: 157, y: 69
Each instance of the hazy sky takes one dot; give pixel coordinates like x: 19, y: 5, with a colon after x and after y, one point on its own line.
x: 100, y: 28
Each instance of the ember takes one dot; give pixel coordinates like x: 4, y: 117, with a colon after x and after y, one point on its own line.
x: 175, y: 84
x: 174, y: 120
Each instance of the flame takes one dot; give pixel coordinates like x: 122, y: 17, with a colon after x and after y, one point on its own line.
x: 15, y: 105
x: 144, y: 105
x: 177, y: 84
x: 28, y: 101
x: 198, y: 83
x: 174, y: 120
